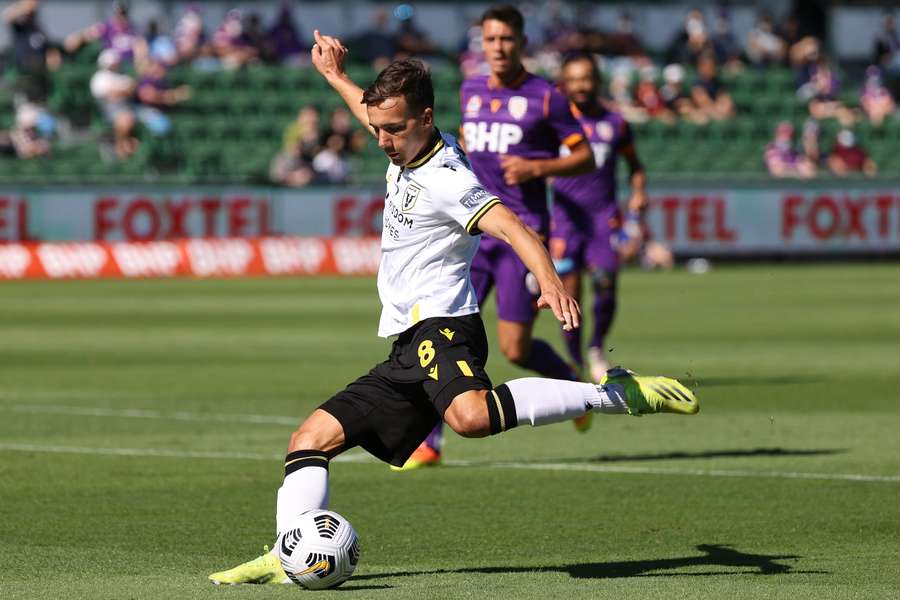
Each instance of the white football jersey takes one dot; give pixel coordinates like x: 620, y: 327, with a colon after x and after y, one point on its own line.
x: 431, y: 212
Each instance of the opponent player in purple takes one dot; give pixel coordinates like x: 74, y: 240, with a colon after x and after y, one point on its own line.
x: 513, y: 125
x: 586, y: 217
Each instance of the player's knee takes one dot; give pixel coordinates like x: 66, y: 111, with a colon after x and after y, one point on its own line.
x: 467, y: 415
x: 515, y: 351
x: 321, y: 431
x: 603, y: 279
x: 305, y: 440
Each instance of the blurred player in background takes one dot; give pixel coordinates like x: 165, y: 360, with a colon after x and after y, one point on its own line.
x: 513, y: 125
x: 587, y: 224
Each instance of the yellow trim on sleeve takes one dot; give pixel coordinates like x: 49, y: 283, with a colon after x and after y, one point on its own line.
x: 573, y: 139
x: 415, y: 314
x: 473, y: 222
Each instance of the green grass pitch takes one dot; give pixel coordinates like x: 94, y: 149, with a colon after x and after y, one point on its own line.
x: 142, y: 425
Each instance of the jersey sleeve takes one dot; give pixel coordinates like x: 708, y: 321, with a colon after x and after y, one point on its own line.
x: 627, y: 135
x: 459, y: 195
x: 561, y: 120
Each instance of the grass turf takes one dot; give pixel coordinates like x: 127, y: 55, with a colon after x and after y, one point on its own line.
x: 772, y: 491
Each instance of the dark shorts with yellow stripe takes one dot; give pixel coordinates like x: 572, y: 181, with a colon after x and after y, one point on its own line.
x: 390, y: 410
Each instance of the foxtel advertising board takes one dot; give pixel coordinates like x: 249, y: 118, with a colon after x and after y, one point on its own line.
x: 857, y: 217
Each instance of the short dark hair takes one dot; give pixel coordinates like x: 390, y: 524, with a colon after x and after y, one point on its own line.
x: 578, y: 55
x: 408, y: 78
x: 505, y: 13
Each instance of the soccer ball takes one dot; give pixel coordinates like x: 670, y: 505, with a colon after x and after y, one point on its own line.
x: 320, y: 551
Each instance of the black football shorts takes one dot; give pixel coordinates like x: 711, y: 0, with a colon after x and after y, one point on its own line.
x: 390, y: 410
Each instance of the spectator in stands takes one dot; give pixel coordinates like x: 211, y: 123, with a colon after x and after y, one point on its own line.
x: 848, y: 157
x: 471, y: 55
x: 377, y: 45
x: 301, y: 143
x: 116, y: 34
x: 803, y: 56
x: 724, y: 44
x: 675, y: 98
x: 154, y: 98
x: 258, y: 39
x: 229, y: 44
x: 412, y: 41
x: 876, y: 100
x: 887, y: 44
x: 330, y: 163
x: 809, y: 141
x: 692, y: 41
x: 621, y: 98
x: 649, y: 97
x: 822, y: 94
x: 114, y: 92
x: 25, y: 139
x: 284, y: 36
x: 623, y: 41
x: 189, y: 35
x: 764, y: 46
x: 708, y: 93
x: 33, y: 55
x: 160, y: 46
x: 341, y: 124
x: 781, y: 158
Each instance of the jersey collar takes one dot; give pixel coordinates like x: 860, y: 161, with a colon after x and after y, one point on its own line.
x: 431, y: 148
x: 519, y: 80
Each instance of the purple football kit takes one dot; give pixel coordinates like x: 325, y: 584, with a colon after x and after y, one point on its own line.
x: 585, y: 208
x: 530, y: 119
x: 585, y: 215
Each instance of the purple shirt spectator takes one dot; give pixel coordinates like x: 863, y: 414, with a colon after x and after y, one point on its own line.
x: 284, y: 38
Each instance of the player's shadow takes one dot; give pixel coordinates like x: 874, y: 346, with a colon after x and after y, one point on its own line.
x: 705, y: 382
x: 768, y: 452
x: 723, y: 559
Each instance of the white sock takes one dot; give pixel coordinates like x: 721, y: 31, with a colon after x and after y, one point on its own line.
x: 541, y: 401
x: 305, y: 487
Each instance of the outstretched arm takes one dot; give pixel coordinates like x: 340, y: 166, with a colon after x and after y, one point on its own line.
x: 503, y: 224
x: 328, y: 55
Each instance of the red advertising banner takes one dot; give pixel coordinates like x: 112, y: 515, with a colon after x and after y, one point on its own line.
x: 219, y: 257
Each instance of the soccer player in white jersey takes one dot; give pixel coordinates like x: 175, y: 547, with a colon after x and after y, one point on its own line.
x: 435, y: 208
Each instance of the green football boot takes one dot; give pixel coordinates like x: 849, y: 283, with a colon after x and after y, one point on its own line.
x: 652, y: 394
x: 263, y: 569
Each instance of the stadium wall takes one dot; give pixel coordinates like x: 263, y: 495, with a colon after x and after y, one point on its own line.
x: 216, y: 232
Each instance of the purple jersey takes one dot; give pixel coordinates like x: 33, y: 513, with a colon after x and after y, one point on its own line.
x: 531, y: 119
x: 119, y: 35
x: 607, y: 133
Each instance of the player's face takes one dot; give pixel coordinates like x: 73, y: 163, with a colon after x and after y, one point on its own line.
x: 580, y: 82
x: 400, y: 134
x: 502, y: 47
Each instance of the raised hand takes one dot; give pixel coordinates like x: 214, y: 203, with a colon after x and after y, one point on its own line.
x: 328, y: 55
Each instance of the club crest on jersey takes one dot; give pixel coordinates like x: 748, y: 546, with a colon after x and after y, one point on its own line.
x: 410, y: 197
x: 604, y: 130
x: 473, y: 106
x: 517, y: 107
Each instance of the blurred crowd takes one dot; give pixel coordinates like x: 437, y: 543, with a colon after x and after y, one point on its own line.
x: 689, y: 82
